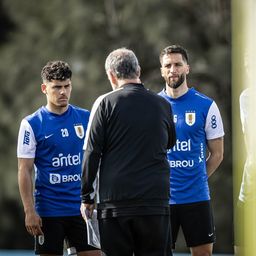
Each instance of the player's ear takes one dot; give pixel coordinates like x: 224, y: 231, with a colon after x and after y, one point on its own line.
x: 43, y: 88
x: 112, y: 77
x: 162, y: 72
x: 188, y: 69
x: 138, y: 72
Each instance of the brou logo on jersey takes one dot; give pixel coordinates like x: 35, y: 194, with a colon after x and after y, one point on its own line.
x: 26, y: 138
x: 181, y: 164
x: 190, y: 118
x: 56, y: 178
x: 79, y: 130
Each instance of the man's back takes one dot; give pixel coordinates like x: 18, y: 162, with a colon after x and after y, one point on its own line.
x: 135, y: 126
x: 126, y: 143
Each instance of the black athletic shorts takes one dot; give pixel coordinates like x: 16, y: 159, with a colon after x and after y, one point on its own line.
x: 142, y: 235
x: 56, y: 230
x: 196, y: 221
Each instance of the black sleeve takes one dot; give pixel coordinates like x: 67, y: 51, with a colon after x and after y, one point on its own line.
x: 92, y: 152
x: 88, y: 180
x: 172, y: 133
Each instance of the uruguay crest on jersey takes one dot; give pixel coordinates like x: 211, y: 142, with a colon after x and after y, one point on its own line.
x: 79, y: 130
x: 190, y: 118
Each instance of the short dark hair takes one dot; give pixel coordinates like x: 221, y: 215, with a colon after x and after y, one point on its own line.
x: 174, y: 49
x: 56, y: 70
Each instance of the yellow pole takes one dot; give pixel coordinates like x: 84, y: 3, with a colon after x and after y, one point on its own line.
x: 243, y: 76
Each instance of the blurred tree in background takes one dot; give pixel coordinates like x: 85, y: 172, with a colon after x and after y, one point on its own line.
x: 83, y: 33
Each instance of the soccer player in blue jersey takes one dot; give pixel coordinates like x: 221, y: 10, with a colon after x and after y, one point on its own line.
x: 199, y: 130
x: 50, y: 142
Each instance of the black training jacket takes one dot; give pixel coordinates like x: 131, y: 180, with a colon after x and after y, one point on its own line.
x: 129, y: 132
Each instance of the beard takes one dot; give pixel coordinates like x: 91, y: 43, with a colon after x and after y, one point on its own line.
x: 175, y: 85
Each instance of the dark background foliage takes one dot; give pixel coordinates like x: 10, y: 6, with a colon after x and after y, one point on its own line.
x: 83, y: 33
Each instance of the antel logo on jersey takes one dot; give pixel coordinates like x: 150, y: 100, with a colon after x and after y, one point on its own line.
x: 68, y: 160
x: 56, y: 178
x: 183, y: 145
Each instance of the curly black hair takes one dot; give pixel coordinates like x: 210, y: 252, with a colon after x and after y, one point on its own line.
x: 56, y: 70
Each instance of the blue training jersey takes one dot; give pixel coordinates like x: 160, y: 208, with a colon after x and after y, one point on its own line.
x: 56, y: 144
x: 197, y: 119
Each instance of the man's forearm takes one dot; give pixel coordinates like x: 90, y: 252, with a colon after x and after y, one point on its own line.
x: 26, y: 191
x: 213, y: 162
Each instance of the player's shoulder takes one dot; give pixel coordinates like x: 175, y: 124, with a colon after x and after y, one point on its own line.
x: 162, y: 94
x: 35, y: 115
x: 201, y: 96
x: 161, y: 97
x: 34, y: 120
x: 79, y: 109
x: 201, y: 102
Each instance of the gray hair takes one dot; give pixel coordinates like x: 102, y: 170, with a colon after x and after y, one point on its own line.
x: 123, y: 63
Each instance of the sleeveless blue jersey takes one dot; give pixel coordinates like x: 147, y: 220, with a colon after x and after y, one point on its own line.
x: 197, y: 119
x: 55, y: 142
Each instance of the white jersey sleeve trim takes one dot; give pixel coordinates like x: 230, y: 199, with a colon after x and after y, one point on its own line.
x: 26, y: 146
x: 214, y: 125
x: 94, y: 108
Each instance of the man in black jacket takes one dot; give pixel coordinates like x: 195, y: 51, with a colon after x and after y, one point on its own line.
x: 129, y: 132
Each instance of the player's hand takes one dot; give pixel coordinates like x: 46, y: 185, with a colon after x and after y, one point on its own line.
x: 86, y: 210
x: 33, y: 223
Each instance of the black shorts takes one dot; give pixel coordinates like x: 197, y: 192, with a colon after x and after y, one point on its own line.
x: 196, y: 221
x: 142, y: 235
x: 57, y: 229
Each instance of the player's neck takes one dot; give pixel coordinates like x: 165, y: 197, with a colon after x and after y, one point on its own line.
x: 56, y: 109
x: 122, y: 82
x: 177, y: 92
